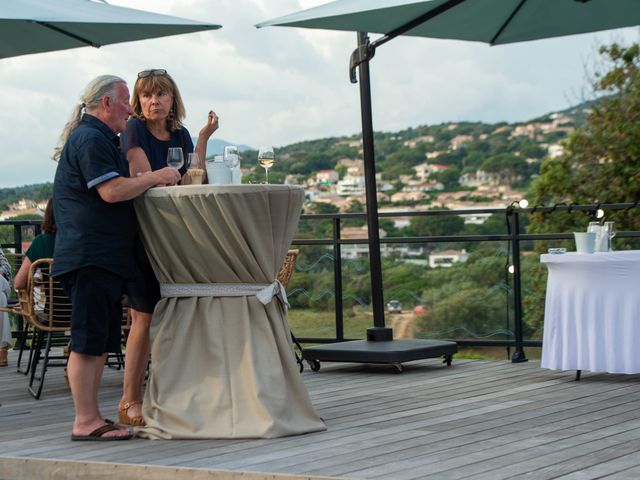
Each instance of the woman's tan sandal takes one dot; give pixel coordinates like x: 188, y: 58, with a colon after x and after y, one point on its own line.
x: 123, y: 409
x: 4, y: 359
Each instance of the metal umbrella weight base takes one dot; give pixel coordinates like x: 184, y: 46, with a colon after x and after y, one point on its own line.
x: 379, y: 348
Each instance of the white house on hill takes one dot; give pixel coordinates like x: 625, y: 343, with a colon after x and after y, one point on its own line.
x: 446, y: 258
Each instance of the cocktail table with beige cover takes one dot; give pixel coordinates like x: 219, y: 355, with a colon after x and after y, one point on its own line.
x: 222, y: 362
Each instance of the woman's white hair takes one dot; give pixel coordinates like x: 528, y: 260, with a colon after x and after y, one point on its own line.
x: 99, y: 87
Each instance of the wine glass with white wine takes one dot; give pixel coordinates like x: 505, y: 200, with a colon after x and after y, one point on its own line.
x: 266, y: 159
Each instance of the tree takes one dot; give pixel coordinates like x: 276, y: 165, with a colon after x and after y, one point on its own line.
x: 437, y: 225
x: 355, y: 207
x: 505, y: 164
x: 601, y: 162
x: 320, y: 208
x: 342, y: 170
x: 449, y: 177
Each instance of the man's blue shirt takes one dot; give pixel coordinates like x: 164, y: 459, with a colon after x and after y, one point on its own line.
x: 90, y: 231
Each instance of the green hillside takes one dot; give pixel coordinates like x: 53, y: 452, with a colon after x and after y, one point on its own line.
x: 491, y: 146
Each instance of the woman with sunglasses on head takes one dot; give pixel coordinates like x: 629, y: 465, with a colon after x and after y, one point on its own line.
x: 156, y: 125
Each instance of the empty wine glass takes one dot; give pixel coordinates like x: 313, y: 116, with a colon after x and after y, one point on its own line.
x: 230, y: 157
x: 193, y: 160
x: 175, y: 157
x: 611, y: 232
x: 266, y: 159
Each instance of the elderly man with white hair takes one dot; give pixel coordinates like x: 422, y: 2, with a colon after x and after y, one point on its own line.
x: 94, y: 248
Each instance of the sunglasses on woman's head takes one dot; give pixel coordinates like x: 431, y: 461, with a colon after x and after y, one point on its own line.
x: 152, y: 73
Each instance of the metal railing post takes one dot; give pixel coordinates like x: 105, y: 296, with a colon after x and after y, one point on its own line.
x: 17, y: 238
x: 518, y: 355
x: 337, y: 278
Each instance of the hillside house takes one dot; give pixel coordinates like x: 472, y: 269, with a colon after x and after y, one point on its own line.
x: 460, y: 140
x: 555, y: 150
x: 327, y: 177
x: 481, y: 178
x: 415, y: 141
x: 422, y: 186
x: 352, y: 164
x: 446, y: 258
x: 292, y: 179
x: 350, y: 185
x: 408, y: 197
x: 425, y: 169
x: 23, y: 204
x: 360, y: 250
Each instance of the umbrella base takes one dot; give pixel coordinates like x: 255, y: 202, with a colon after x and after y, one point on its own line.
x: 393, y: 352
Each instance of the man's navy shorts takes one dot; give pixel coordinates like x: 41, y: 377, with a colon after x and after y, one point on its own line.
x: 96, y: 309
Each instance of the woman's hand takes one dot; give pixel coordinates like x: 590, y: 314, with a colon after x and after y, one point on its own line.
x: 210, y: 127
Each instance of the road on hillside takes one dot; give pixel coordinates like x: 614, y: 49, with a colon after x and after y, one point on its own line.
x: 403, y: 324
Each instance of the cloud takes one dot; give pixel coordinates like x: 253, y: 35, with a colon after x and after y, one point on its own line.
x: 283, y: 85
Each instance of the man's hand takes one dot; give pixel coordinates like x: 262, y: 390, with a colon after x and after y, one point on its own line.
x: 166, y: 176
x: 120, y: 189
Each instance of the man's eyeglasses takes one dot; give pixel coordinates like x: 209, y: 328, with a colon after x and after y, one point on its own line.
x: 152, y: 73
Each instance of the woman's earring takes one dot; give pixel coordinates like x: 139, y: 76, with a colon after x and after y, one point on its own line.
x: 171, y: 114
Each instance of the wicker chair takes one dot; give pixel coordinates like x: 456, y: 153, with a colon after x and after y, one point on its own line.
x: 46, y: 307
x: 287, y: 268
x: 284, y: 276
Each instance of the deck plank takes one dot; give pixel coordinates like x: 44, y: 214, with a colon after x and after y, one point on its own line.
x: 478, y: 419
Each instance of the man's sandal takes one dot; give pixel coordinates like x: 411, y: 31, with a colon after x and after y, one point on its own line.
x: 123, y: 409
x: 98, y: 435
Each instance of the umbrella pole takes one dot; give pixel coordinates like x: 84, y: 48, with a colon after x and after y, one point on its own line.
x: 379, y: 347
x: 379, y: 331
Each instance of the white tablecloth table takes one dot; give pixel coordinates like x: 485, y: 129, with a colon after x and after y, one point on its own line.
x: 592, y: 312
x: 222, y: 362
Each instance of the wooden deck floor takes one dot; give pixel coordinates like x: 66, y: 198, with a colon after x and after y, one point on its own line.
x: 477, y: 419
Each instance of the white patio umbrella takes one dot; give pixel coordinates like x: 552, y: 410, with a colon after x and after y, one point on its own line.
x: 35, y: 26
x: 490, y: 21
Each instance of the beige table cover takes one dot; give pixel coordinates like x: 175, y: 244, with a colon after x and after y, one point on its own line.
x: 222, y: 366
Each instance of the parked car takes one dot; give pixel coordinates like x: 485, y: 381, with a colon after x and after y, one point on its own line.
x: 394, y: 306
x: 419, y: 310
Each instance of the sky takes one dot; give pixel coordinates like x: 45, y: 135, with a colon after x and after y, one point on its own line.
x: 281, y: 85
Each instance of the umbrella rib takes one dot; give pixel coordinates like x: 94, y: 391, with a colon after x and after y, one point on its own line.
x: 68, y: 34
x: 507, y: 21
x: 367, y: 50
x: 416, y: 22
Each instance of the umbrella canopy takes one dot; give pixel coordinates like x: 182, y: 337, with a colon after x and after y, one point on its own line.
x: 490, y: 21
x: 34, y: 26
